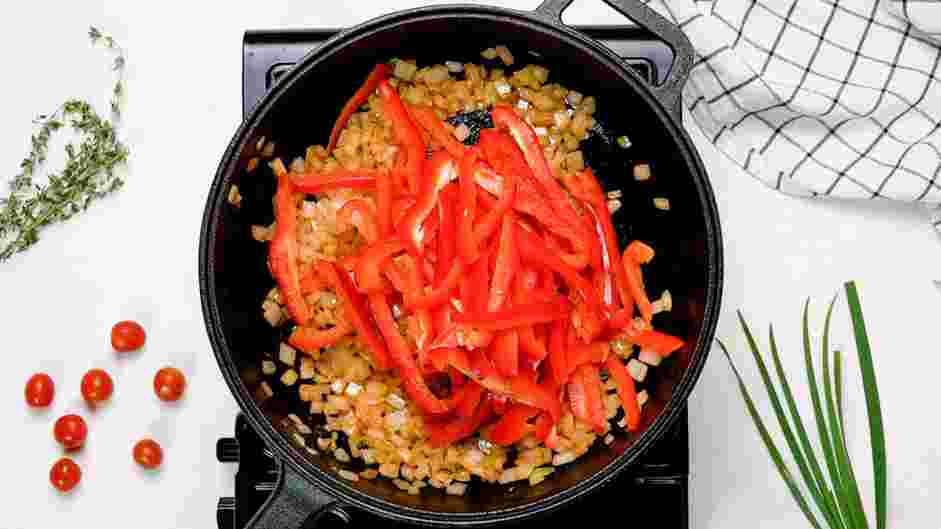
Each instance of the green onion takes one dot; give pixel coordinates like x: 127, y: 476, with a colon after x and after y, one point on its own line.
x: 836, y: 496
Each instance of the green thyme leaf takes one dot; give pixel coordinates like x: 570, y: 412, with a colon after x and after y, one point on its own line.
x: 88, y: 173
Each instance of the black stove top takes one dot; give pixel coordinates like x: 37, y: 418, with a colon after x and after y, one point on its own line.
x: 652, y: 492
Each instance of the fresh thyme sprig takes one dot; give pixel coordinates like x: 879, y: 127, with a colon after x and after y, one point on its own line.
x: 836, y: 496
x: 88, y: 173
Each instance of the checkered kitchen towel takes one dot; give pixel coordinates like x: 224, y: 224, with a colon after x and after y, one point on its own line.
x: 834, y: 98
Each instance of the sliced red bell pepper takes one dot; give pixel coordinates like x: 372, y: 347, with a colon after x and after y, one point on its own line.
x: 439, y: 171
x: 498, y: 402
x: 371, y: 262
x: 528, y: 142
x: 441, y: 294
x: 558, y: 336
x: 543, y: 428
x: 473, y: 393
x: 379, y: 72
x: 531, y: 345
x: 310, y: 339
x: 661, y: 343
x: 310, y: 283
x: 427, y: 119
x: 423, y: 331
x: 613, y: 266
x: 636, y: 254
x: 584, y: 389
x: 384, y: 195
x: 283, y: 251
x: 442, y: 434
x: 513, y: 425
x: 447, y: 243
x: 519, y: 388
x: 626, y: 391
x: 467, y: 246
x: 400, y: 355
x: 359, y: 213
x: 519, y: 315
x: 533, y: 250
x: 489, y: 222
x: 507, y: 264
x: 406, y: 133
x: 456, y: 377
x: 593, y: 353
x: 355, y: 310
x: 473, y: 287
x: 338, y: 178
x: 504, y: 352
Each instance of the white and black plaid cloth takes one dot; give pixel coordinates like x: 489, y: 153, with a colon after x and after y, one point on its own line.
x: 836, y: 98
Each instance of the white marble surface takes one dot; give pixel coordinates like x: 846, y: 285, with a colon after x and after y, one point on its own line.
x: 134, y: 256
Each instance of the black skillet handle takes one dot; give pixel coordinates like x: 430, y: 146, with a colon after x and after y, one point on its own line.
x: 296, y: 503
x: 670, y: 91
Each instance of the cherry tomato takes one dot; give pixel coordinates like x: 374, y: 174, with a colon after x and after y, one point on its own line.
x: 127, y: 336
x: 97, y: 386
x: 169, y: 384
x: 65, y: 474
x: 70, y: 431
x: 148, y: 453
x: 39, y: 390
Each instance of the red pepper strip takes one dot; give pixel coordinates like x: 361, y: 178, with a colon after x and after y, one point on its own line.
x: 445, y: 434
x: 400, y: 208
x: 635, y: 282
x: 447, y: 245
x: 498, y: 402
x: 473, y: 290
x: 427, y: 119
x: 282, y: 252
x: 526, y: 314
x: 355, y: 311
x: 558, y: 336
x: 519, y: 388
x: 379, y: 72
x: 309, y: 282
x: 626, y: 391
x: 504, y: 352
x: 310, y: 339
x: 359, y: 213
x: 396, y: 276
x: 406, y: 133
x: 513, y: 425
x: 507, y: 264
x: 530, y: 344
x: 384, y: 192
x: 473, y: 392
x: 439, y: 171
x: 528, y: 143
x: 467, y: 246
x: 543, y: 426
x: 370, y: 263
x: 593, y: 353
x: 661, y: 343
x: 441, y: 294
x: 401, y: 355
x: 584, y: 390
x: 337, y: 179
x: 489, y: 222
x: 639, y: 252
x: 533, y: 250
x: 456, y: 377
x: 423, y: 332
x: 587, y: 188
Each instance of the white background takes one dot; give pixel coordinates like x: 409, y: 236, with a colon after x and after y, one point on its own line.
x: 133, y: 256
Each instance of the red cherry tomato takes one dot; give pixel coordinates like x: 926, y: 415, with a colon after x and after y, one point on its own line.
x: 169, y: 384
x: 39, y: 390
x: 148, y: 453
x: 70, y: 431
x: 65, y: 474
x: 127, y: 336
x: 97, y: 386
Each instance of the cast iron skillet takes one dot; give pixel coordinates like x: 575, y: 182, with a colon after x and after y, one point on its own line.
x: 300, y: 110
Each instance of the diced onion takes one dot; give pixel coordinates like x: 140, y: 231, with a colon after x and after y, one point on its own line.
x: 642, y: 398
x: 608, y: 439
x: 307, y: 368
x: 395, y: 401
x: 663, y: 204
x: 522, y: 104
x: 341, y: 455
x: 503, y: 88
x: 638, y: 370
x: 338, y: 386
x: 624, y: 142
x: 346, y: 474
x: 456, y: 489
x: 538, y: 475
x: 268, y: 367
x: 641, y: 172
x: 563, y: 458
x: 289, y: 377
x: 454, y: 66
x: 353, y: 389
x: 649, y: 357
x: 287, y: 354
